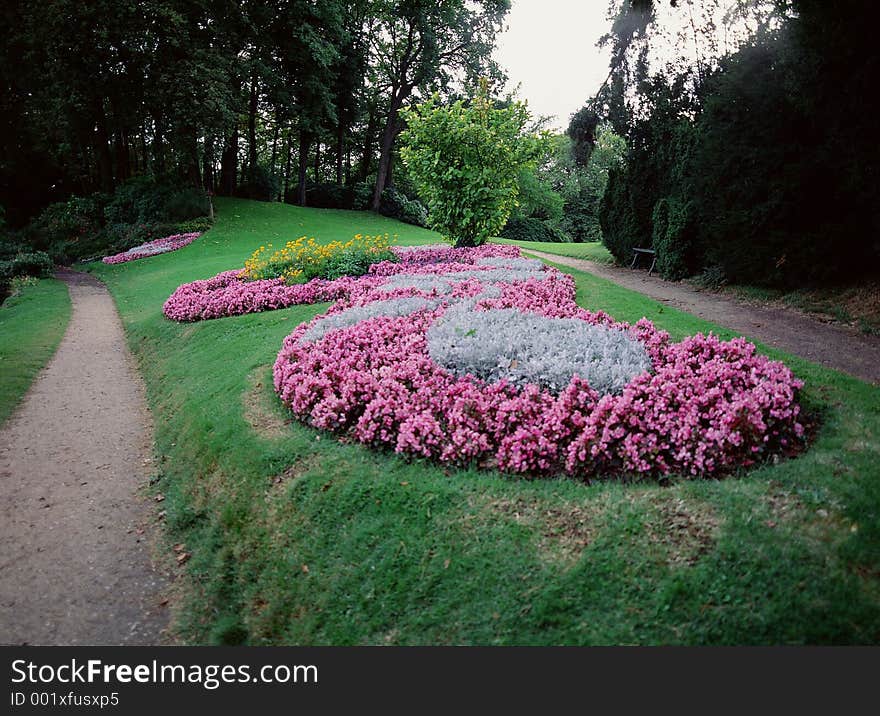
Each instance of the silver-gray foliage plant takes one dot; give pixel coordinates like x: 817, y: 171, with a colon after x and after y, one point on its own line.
x: 444, y: 282
x: 529, y: 348
x: 392, y: 307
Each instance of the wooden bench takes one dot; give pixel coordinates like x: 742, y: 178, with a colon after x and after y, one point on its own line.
x: 644, y: 252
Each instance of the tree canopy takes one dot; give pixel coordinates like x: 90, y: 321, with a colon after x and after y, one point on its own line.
x: 257, y: 98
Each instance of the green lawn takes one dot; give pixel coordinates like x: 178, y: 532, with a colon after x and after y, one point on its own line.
x: 32, y: 324
x: 298, y: 539
x: 592, y: 251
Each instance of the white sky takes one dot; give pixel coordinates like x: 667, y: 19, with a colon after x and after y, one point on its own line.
x: 549, y: 48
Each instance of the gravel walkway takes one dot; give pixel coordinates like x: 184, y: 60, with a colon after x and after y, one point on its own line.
x: 75, y: 532
x: 829, y: 345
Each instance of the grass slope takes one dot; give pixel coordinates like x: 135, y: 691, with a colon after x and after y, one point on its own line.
x: 32, y: 325
x: 299, y: 539
x: 591, y: 251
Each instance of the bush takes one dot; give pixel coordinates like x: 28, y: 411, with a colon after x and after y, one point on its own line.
x: 140, y: 210
x: 261, y: 184
x: 329, y: 196
x: 121, y: 237
x: 361, y: 195
x: 465, y: 159
x: 396, y: 205
x: 34, y: 263
x: 673, y: 238
x: 533, y: 230
x: 63, y: 229
x: 10, y: 246
x: 200, y: 225
x: 144, y: 200
x: 537, y: 198
x: 711, y: 277
x: 579, y: 218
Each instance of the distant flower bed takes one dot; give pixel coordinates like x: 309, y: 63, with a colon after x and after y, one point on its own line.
x: 479, y: 355
x: 232, y: 294
x: 153, y: 248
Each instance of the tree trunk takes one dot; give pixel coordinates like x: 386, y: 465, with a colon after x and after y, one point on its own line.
x: 317, y: 163
x: 304, y: 142
x: 145, y: 160
x: 102, y: 148
x: 229, y: 166
x: 389, y: 134
x: 252, y: 129
x: 367, y: 152
x: 340, y: 151
x: 159, y: 144
x: 274, y: 146
x: 286, y: 195
x: 122, y: 155
x: 186, y: 145
x: 208, y: 165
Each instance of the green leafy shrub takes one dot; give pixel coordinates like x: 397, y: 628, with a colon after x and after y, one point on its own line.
x: 33, y: 263
x: 465, y: 160
x: 122, y: 237
x: 537, y: 199
x: 579, y: 218
x: 201, y: 224
x: 10, y: 245
x: 361, y: 195
x: 398, y: 206
x: 64, y: 230
x: 145, y: 200
x: 531, y: 229
x: 140, y: 210
x: 261, y: 184
x: 583, y: 187
x: 329, y: 196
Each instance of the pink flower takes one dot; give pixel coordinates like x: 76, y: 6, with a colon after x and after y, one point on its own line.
x: 707, y: 407
x: 153, y: 248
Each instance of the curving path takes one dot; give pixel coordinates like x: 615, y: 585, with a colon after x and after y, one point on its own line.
x: 75, y: 562
x: 829, y: 345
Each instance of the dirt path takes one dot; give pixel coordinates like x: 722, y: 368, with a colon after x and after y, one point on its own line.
x: 829, y: 345
x: 74, y: 539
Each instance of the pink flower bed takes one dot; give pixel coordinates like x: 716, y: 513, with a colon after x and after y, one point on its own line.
x: 707, y: 406
x: 227, y: 294
x: 153, y: 248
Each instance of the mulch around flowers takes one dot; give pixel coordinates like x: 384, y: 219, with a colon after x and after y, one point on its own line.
x: 75, y: 526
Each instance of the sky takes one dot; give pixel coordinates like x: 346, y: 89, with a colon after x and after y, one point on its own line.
x: 549, y: 48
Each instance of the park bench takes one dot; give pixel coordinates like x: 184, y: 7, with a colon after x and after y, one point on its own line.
x: 637, y: 253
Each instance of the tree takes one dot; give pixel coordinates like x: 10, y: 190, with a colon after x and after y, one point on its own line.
x: 582, y: 187
x: 465, y: 160
x: 419, y: 44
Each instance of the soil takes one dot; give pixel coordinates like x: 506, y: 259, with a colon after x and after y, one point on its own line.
x: 76, y: 528
x: 837, y: 347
